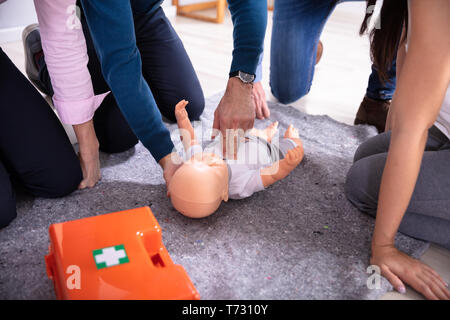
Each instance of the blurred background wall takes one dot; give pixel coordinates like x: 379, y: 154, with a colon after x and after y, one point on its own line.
x: 15, y: 15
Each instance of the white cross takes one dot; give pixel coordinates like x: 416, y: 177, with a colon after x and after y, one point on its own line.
x: 110, y: 256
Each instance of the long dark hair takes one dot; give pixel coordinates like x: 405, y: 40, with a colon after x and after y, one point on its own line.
x: 385, y: 39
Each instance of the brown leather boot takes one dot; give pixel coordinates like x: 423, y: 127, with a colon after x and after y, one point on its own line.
x: 373, y: 112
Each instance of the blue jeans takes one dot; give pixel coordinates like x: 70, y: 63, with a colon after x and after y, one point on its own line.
x: 297, y: 26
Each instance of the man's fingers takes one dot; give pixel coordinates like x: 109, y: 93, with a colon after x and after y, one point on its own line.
x: 259, y: 113
x: 265, y: 109
x: 216, y: 124
x: 226, y: 136
x: 235, y: 123
x: 249, y: 124
x: 258, y: 106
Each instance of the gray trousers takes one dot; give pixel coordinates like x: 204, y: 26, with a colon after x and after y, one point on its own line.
x: 428, y: 213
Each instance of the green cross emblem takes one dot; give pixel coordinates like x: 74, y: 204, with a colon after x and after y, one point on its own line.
x: 110, y: 256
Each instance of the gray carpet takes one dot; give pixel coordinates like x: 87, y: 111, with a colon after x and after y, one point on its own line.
x: 299, y: 239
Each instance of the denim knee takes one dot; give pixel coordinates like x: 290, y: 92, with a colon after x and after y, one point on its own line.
x: 286, y: 93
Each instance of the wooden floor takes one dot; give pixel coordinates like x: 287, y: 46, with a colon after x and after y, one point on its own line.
x: 338, y: 88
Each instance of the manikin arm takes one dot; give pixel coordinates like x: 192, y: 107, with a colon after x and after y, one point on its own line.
x: 187, y: 134
x: 281, y: 169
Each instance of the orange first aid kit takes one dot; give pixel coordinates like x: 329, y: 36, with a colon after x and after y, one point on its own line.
x: 114, y: 256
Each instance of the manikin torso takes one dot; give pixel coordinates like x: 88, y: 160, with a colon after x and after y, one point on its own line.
x: 253, y: 153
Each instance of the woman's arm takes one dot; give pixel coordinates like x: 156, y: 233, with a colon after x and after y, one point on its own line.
x: 66, y: 57
x: 401, y: 53
x: 422, y: 84
x: 88, y: 154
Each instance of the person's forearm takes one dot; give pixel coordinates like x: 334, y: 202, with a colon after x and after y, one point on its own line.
x: 66, y: 58
x: 398, y: 182
x: 249, y: 21
x: 401, y: 54
x: 87, y: 139
x: 423, y: 78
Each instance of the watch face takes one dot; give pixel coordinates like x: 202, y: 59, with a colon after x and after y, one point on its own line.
x: 245, y: 77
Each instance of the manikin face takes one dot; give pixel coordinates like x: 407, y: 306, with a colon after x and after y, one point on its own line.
x: 199, y: 186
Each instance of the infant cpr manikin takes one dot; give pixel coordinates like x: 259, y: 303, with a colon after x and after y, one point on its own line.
x: 207, y: 177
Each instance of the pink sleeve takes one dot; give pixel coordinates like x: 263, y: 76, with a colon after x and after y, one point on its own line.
x: 66, y: 57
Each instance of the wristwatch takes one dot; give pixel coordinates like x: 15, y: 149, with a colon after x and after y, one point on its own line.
x: 244, y: 77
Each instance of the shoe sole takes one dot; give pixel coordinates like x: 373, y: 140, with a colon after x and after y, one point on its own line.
x: 30, y: 68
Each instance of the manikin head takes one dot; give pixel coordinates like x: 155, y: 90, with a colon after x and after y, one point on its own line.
x: 198, y: 187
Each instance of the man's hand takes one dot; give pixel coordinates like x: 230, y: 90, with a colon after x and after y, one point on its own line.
x: 88, y: 154
x: 259, y: 96
x: 398, y: 267
x: 236, y: 110
x: 170, y: 165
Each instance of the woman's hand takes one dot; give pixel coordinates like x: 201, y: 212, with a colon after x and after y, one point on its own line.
x: 88, y: 154
x: 90, y: 165
x: 398, y: 268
